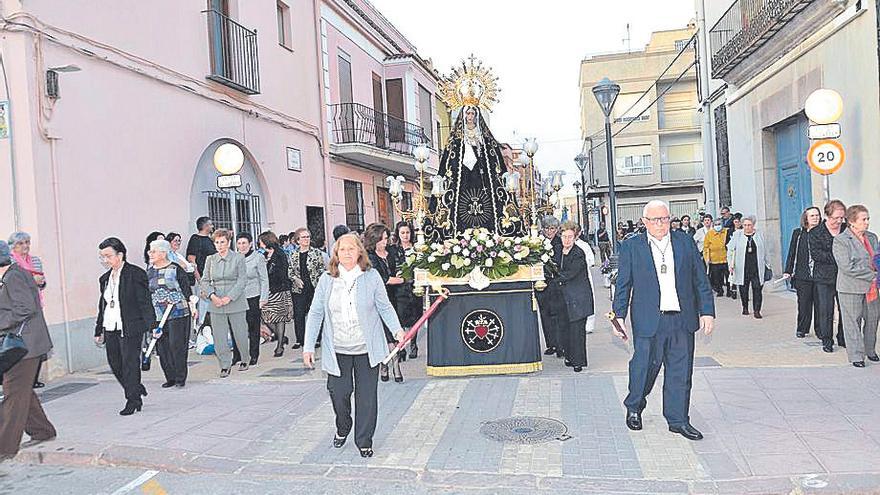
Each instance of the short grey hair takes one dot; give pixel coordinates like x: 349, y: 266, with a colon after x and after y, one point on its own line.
x: 750, y: 218
x: 654, y: 203
x: 16, y: 237
x: 549, y: 221
x: 161, y: 245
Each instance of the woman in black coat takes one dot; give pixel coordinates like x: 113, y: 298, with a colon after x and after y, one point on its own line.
x: 825, y: 273
x: 125, y: 314
x: 799, y: 268
x: 573, y: 283
x: 385, y: 262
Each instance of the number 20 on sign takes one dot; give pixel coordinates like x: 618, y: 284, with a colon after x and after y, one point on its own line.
x: 826, y: 156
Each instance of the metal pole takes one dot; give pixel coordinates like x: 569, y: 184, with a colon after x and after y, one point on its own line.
x: 233, y: 212
x: 710, y: 184
x: 827, y: 186
x: 609, y: 158
x: 577, y: 200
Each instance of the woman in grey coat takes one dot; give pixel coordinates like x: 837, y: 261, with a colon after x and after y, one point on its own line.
x: 256, y: 292
x: 223, y: 284
x: 854, y: 251
x: 21, y: 311
x: 747, y: 260
x: 351, y: 302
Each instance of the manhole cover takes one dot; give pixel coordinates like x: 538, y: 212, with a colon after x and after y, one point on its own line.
x: 525, y: 430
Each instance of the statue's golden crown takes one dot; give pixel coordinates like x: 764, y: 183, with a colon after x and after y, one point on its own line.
x: 470, y: 84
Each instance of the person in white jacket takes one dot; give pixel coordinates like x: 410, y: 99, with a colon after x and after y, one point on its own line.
x: 591, y: 262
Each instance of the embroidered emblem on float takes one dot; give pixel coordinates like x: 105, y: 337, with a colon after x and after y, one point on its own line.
x: 482, y: 330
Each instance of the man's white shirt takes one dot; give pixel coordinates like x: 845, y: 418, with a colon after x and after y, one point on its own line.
x: 661, y: 250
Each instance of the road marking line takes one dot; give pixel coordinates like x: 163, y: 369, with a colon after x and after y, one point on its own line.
x: 136, y: 482
x: 153, y: 487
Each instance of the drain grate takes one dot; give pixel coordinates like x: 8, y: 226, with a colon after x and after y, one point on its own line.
x: 64, y: 390
x: 706, y: 362
x: 285, y: 372
x: 525, y: 430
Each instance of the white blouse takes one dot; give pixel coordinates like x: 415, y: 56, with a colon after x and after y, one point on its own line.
x: 348, y: 337
x: 112, y: 312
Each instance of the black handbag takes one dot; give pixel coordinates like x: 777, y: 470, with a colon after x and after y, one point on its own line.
x: 12, y: 349
x: 768, y: 274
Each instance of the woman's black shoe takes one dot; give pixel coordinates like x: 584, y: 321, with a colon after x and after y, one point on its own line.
x: 801, y: 335
x: 143, y: 390
x: 828, y: 348
x: 297, y: 345
x: 383, y: 372
x: 413, y: 352
x: 859, y: 364
x: 338, y: 442
x: 568, y: 363
x: 39, y: 384
x: 168, y: 384
x: 874, y: 358
x: 286, y: 340
x: 279, y: 353
x: 366, y: 452
x: 578, y: 369
x: 130, y: 408
x: 549, y: 351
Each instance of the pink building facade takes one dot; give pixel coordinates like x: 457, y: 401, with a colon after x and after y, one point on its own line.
x: 380, y: 103
x: 112, y: 111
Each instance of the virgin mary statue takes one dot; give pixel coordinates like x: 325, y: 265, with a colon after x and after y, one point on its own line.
x: 472, y: 164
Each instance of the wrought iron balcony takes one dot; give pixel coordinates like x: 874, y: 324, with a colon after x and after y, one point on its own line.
x: 360, y: 124
x: 745, y: 27
x: 681, y: 171
x: 234, y: 61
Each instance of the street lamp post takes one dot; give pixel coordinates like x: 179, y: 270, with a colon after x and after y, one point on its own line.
x: 581, y: 162
x: 577, y: 201
x: 606, y: 93
x: 228, y: 160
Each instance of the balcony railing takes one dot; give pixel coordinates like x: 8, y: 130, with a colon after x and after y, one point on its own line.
x: 745, y: 27
x: 681, y: 171
x: 356, y: 123
x: 678, y: 119
x: 234, y: 60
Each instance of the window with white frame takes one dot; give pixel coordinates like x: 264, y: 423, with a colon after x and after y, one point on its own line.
x: 284, y: 36
x: 634, y: 160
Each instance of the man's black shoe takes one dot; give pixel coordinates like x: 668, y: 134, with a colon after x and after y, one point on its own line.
x: 687, y: 431
x: 634, y: 420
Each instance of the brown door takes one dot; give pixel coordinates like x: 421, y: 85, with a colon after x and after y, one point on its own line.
x: 383, y: 207
x: 378, y: 111
x: 396, y: 124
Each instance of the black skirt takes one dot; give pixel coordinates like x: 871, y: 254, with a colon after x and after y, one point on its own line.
x: 409, y: 305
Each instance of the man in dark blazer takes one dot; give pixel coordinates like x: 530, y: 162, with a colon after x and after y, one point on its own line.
x: 662, y: 279
x: 125, y: 298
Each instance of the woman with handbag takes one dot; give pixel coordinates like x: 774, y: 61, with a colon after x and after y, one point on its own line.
x: 125, y: 314
x: 799, y: 269
x: 24, y: 339
x: 20, y: 244
x: 169, y: 285
x: 747, y: 260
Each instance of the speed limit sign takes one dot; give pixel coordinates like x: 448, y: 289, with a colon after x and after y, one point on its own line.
x: 826, y: 156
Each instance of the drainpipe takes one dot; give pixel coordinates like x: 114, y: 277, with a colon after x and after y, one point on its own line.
x: 16, y: 208
x: 59, y: 238
x: 322, y: 125
x: 709, y: 182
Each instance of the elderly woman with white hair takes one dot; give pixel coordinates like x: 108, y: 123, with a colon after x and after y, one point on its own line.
x: 20, y: 244
x: 747, y: 259
x: 169, y: 286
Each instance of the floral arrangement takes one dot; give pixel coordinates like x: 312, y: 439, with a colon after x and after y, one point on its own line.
x: 478, y: 250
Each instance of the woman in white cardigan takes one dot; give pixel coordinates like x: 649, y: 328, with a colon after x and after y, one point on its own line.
x: 351, y: 302
x: 747, y: 259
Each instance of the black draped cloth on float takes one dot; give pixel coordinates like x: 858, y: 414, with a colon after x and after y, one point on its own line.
x: 475, y: 197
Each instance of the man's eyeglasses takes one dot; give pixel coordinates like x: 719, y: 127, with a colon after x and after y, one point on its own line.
x: 657, y: 220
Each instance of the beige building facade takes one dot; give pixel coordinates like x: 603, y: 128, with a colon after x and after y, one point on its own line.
x: 657, y: 153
